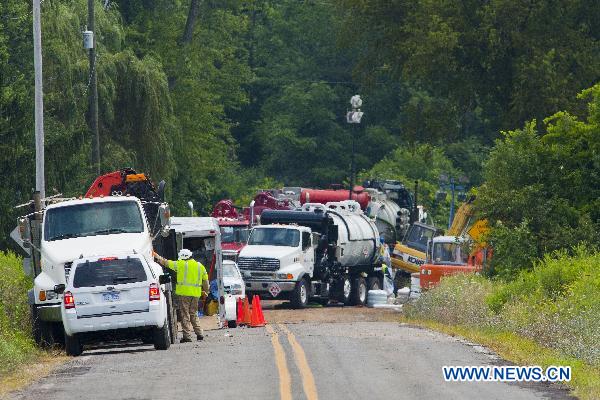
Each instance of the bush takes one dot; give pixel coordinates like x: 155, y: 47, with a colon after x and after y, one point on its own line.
x: 549, y: 178
x: 16, y: 344
x: 557, y: 304
x: 514, y: 249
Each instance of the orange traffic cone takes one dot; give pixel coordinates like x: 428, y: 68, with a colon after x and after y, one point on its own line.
x: 239, y: 319
x: 257, y: 316
x: 247, y: 318
x: 260, y: 310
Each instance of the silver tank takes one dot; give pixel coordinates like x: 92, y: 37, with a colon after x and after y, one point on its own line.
x: 358, y: 236
x: 386, y: 213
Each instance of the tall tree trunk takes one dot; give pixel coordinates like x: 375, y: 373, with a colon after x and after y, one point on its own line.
x: 191, y: 21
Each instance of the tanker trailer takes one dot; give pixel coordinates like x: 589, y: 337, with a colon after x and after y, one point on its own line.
x: 326, y: 252
x: 392, y: 221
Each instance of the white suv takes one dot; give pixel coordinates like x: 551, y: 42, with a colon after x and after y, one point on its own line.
x: 108, y: 298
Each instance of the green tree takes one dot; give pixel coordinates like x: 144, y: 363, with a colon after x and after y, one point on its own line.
x: 474, y: 68
x: 546, y: 182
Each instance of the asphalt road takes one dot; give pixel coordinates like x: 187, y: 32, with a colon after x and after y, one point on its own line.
x: 365, y: 357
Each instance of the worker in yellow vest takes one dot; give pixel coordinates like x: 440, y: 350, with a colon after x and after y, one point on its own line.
x: 192, y: 283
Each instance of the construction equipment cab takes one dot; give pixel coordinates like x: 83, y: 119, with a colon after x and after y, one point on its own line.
x: 446, y: 255
x: 409, y: 255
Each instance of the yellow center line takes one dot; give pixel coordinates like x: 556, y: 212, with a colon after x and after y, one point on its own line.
x: 308, y: 381
x: 285, y: 380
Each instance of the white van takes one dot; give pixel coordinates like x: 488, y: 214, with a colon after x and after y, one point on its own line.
x: 115, y: 297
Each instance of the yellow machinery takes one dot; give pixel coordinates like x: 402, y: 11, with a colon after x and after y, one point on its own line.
x: 409, y: 255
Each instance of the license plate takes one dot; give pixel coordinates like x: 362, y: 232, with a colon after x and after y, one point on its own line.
x: 111, y: 296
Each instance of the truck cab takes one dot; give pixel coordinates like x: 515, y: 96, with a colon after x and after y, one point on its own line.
x: 446, y: 255
x: 81, y: 228
x: 276, y: 258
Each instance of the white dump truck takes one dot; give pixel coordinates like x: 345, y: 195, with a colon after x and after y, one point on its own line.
x: 326, y: 252
x: 59, y: 231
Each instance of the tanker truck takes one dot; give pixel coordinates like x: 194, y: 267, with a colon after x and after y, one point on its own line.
x: 326, y: 252
x: 388, y: 202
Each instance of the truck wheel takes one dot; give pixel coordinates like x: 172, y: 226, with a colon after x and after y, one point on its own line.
x: 359, y: 292
x: 162, y: 337
x: 299, y: 298
x: 42, y: 330
x: 374, y: 283
x: 345, y: 295
x: 232, y: 324
x: 73, y: 345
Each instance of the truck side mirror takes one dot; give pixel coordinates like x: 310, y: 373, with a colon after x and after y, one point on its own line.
x: 59, y: 288
x: 164, y: 279
x: 164, y: 213
x: 25, y: 232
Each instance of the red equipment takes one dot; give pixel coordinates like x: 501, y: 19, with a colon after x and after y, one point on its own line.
x: 225, y: 209
x: 126, y: 182
x: 232, y: 224
x: 331, y: 195
x: 265, y: 201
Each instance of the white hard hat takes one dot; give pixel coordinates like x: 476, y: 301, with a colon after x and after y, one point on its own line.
x: 184, y: 254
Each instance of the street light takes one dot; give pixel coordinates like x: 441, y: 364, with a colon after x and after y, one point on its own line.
x: 449, y: 182
x: 354, y: 117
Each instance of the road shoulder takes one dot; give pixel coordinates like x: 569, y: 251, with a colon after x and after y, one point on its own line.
x: 31, y: 372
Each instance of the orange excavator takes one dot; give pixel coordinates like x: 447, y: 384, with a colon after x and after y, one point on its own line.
x: 462, y: 250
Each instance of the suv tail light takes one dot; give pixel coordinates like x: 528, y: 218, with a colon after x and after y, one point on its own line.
x: 68, y: 300
x: 154, y: 292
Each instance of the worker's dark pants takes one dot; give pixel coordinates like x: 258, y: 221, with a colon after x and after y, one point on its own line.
x: 188, y: 315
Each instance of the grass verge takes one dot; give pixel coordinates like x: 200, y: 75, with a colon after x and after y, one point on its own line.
x: 21, y: 361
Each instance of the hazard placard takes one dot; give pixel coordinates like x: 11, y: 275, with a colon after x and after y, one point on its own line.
x: 274, y: 289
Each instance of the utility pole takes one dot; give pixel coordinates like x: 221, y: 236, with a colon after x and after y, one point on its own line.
x: 93, y: 92
x: 450, y: 182
x: 352, y: 172
x: 40, y: 181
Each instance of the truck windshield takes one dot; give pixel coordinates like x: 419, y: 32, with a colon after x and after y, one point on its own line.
x: 92, y: 219
x: 110, y: 271
x: 234, y: 234
x: 275, y: 237
x: 418, y: 236
x: 448, y: 253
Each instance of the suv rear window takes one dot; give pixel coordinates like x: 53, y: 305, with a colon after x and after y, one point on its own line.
x: 109, y: 272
